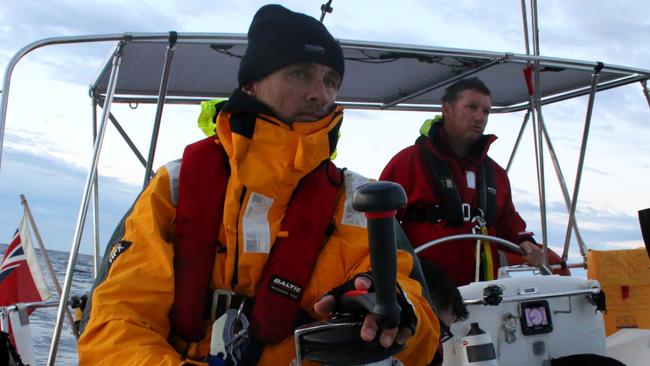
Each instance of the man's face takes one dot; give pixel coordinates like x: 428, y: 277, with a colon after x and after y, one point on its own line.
x: 466, y: 118
x: 302, y: 92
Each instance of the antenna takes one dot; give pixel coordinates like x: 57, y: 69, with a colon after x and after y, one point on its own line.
x: 325, y: 9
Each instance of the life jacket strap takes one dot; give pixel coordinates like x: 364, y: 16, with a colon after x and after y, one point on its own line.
x: 288, y: 269
x: 487, y: 192
x: 451, y: 209
x: 436, y: 214
x: 204, y: 168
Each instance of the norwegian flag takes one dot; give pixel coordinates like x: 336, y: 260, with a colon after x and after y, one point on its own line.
x: 21, y: 279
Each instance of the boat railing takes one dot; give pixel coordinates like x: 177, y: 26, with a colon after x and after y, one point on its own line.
x: 22, y: 307
x: 537, y: 296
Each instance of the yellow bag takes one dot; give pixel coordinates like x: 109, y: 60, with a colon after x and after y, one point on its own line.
x: 624, y: 275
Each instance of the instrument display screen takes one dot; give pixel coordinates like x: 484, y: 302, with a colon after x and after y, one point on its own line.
x: 536, y: 317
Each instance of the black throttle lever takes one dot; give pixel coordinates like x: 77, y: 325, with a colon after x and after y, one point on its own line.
x: 338, y: 340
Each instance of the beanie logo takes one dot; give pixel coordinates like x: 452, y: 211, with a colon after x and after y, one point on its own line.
x: 314, y: 48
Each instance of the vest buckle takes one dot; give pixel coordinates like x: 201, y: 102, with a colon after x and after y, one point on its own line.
x: 467, y: 212
x: 221, y: 300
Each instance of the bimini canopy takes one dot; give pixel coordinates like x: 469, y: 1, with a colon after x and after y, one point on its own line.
x: 377, y: 76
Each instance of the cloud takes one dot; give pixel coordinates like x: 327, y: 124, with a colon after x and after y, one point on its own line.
x: 71, y: 17
x: 496, y: 27
x: 54, y: 190
x: 572, y: 28
x: 600, y: 228
x: 39, y: 145
x: 629, y: 244
x: 26, y: 22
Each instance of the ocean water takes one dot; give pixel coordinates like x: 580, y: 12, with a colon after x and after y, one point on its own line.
x: 42, y: 320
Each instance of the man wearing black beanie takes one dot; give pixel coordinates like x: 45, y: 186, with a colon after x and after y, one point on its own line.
x: 257, y: 213
x: 288, y: 54
x: 279, y: 37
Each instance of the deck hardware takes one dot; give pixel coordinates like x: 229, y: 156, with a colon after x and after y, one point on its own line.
x: 510, y: 328
x: 528, y: 291
x: 598, y: 300
x: 566, y: 311
x: 492, y: 295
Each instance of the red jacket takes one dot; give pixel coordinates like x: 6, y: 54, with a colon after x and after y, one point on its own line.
x: 457, y: 258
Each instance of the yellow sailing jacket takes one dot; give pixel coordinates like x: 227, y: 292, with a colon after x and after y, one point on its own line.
x: 129, y: 308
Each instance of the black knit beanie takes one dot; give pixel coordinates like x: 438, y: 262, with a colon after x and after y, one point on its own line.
x: 279, y: 37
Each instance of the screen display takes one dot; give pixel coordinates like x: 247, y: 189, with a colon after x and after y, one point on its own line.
x: 535, y: 317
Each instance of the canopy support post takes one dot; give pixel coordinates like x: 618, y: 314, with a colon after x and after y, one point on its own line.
x: 539, y: 141
x: 565, y: 191
x: 127, y: 139
x: 540, y: 177
x: 95, y: 189
x: 516, y: 146
x: 524, y: 17
x: 83, y: 210
x: 583, y: 147
x: 162, y: 93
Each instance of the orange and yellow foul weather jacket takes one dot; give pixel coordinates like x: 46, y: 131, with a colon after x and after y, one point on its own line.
x: 128, y: 313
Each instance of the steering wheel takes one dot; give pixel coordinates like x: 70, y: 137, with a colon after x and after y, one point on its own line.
x: 493, y: 239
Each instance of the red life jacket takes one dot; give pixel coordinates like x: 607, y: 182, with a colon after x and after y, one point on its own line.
x: 205, y: 168
x: 451, y: 209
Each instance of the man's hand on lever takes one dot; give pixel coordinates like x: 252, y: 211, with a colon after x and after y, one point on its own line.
x: 327, y: 304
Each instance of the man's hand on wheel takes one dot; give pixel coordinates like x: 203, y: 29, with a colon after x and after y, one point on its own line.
x: 534, y: 256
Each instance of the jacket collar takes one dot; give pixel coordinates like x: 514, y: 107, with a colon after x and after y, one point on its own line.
x: 438, y: 144
x: 267, y: 155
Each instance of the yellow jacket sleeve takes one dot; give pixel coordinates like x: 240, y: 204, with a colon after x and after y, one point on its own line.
x: 422, y: 346
x: 128, y: 322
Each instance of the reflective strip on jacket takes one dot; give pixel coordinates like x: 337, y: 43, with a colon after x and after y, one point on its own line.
x: 129, y: 324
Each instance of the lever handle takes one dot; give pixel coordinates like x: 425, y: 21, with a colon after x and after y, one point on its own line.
x: 379, y: 202
x: 338, y: 341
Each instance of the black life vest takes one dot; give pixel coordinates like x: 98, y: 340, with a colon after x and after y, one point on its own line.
x: 451, y: 209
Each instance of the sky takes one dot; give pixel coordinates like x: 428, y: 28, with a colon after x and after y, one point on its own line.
x: 47, y: 143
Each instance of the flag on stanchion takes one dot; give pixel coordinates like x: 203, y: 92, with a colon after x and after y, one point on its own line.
x: 21, y: 281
